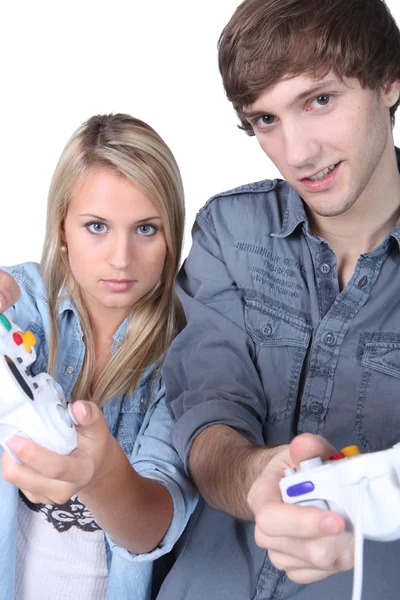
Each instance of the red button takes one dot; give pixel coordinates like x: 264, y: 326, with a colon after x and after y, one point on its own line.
x: 18, y: 339
x: 337, y: 456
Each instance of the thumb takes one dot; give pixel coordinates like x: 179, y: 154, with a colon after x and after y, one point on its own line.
x: 86, y: 413
x: 307, y: 445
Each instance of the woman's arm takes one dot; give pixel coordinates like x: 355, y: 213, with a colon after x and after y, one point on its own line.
x: 135, y: 511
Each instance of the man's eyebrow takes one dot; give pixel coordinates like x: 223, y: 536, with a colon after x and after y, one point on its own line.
x: 314, y: 90
x: 319, y: 87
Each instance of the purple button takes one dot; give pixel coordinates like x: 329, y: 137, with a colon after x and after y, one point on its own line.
x: 300, y: 488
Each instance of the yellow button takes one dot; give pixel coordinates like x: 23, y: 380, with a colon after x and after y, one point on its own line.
x: 28, y: 340
x: 350, y: 451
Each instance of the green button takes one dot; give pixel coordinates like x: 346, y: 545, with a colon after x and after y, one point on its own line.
x: 5, y: 322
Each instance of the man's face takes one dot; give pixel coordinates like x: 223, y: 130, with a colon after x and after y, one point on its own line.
x: 328, y: 138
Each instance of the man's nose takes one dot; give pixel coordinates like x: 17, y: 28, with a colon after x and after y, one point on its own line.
x: 301, y: 145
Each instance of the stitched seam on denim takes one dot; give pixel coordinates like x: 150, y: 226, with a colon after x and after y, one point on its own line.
x: 207, y: 218
x: 29, y: 288
x: 380, y: 339
x: 371, y: 360
x: 293, y: 387
x: 295, y: 324
x: 282, y: 310
x: 257, y: 187
x: 364, y: 385
x: 269, y: 574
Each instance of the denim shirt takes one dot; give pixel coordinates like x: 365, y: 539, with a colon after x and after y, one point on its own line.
x: 274, y: 348
x: 139, y: 421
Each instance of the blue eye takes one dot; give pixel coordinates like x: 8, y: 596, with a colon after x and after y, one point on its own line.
x: 147, y: 229
x: 96, y: 227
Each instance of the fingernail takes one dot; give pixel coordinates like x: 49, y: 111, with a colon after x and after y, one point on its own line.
x: 330, y: 525
x: 15, y: 443
x: 84, y: 408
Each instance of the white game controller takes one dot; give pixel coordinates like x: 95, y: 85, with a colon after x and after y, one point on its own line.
x: 363, y: 488
x: 31, y: 406
x: 335, y: 485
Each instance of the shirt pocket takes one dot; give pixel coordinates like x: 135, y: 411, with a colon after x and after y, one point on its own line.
x: 377, y: 419
x: 281, y: 341
x: 132, y: 411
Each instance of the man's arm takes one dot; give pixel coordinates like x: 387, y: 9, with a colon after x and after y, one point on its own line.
x: 216, y: 396
x: 242, y: 479
x: 225, y: 465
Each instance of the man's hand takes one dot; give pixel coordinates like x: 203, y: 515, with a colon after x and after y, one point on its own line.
x: 51, y: 478
x: 306, y: 542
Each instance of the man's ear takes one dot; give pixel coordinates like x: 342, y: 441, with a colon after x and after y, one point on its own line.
x: 391, y: 93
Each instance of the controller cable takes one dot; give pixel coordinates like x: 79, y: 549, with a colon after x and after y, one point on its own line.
x: 359, y: 543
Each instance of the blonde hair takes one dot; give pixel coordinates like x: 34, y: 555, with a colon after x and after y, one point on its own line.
x: 134, y: 149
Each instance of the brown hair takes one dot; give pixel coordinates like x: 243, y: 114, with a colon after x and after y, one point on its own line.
x: 268, y: 40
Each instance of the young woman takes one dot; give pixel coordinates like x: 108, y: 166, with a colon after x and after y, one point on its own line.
x: 103, y: 309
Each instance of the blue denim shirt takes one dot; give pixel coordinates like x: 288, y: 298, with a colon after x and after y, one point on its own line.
x: 274, y: 348
x: 139, y: 421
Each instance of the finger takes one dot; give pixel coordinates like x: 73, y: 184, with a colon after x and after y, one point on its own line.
x: 289, y: 520
x: 74, y: 468
x: 328, y: 554
x: 36, y: 499
x: 284, y: 562
x: 90, y: 418
x: 9, y: 291
x: 308, y: 575
x: 307, y: 445
x: 38, y: 486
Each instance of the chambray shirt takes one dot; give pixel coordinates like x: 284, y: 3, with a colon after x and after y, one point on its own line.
x: 140, y: 422
x: 274, y: 348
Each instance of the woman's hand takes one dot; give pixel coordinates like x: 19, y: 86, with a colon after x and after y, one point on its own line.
x: 49, y: 478
x: 135, y: 511
x: 9, y: 291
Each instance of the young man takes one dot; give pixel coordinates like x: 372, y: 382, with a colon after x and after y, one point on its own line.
x: 292, y: 295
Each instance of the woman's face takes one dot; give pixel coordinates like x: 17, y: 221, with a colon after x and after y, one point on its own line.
x: 115, y: 240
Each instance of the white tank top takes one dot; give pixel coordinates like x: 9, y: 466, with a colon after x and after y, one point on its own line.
x: 60, y: 553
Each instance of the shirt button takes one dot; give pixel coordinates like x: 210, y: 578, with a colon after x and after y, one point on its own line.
x: 267, y: 330
x: 316, y: 408
x: 325, y: 268
x: 363, y: 282
x: 70, y: 370
x: 329, y: 339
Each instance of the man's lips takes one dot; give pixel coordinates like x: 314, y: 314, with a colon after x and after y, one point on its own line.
x: 321, y: 184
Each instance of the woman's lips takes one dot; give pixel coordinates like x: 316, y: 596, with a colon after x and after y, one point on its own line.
x: 118, y: 285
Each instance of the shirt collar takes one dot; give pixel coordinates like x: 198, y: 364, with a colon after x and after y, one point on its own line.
x: 67, y: 304
x: 294, y: 214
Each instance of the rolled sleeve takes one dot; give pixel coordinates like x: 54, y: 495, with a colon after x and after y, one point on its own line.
x: 209, y: 372
x: 155, y: 457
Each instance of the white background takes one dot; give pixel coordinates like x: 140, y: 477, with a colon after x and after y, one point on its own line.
x: 64, y: 61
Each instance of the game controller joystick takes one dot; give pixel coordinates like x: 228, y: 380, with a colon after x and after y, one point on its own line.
x: 31, y: 406
x: 363, y: 488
